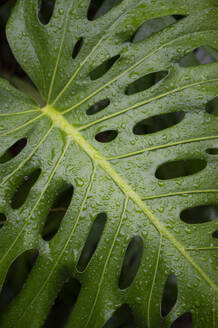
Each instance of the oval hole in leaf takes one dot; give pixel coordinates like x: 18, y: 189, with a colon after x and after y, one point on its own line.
x: 215, y: 234
x: 98, y: 8
x: 158, y: 123
x: 106, y: 136
x: 180, y: 168
x: 57, y: 212
x: 200, y: 214
x: 199, y: 56
x: 212, y: 151
x: 179, y: 17
x: 93, y: 8
x: 14, y: 150
x: 122, y: 318
x: 150, y: 27
x: 145, y: 82
x: 102, y: 104
x: 2, y: 220
x: 64, y: 303
x: 92, y: 241
x: 131, y: 262
x: 24, y: 188
x: 16, y: 277
x: 77, y: 48
x: 212, y: 106
x: 184, y: 320
x: 46, y: 8
x: 103, y: 68
x: 170, y: 295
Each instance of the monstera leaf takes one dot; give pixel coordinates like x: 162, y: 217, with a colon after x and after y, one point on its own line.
x: 109, y: 182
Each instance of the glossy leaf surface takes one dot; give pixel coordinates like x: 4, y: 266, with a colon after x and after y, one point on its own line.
x: 115, y: 172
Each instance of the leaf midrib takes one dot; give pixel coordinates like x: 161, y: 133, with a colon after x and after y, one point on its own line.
x: 99, y: 160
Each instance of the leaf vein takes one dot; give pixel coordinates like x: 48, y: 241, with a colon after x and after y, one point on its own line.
x: 171, y: 144
x: 28, y: 157
x: 127, y: 71
x: 22, y: 126
x: 107, y: 261
x: 145, y: 102
x: 180, y: 193
x: 65, y: 126
x: 66, y: 244
x: 37, y: 202
x: 153, y: 282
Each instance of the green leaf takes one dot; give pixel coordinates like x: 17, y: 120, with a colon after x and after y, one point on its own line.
x: 144, y: 161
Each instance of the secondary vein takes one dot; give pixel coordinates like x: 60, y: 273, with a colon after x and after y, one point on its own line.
x: 100, y: 160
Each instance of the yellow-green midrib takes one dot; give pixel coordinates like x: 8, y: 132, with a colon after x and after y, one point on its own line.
x: 60, y: 121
